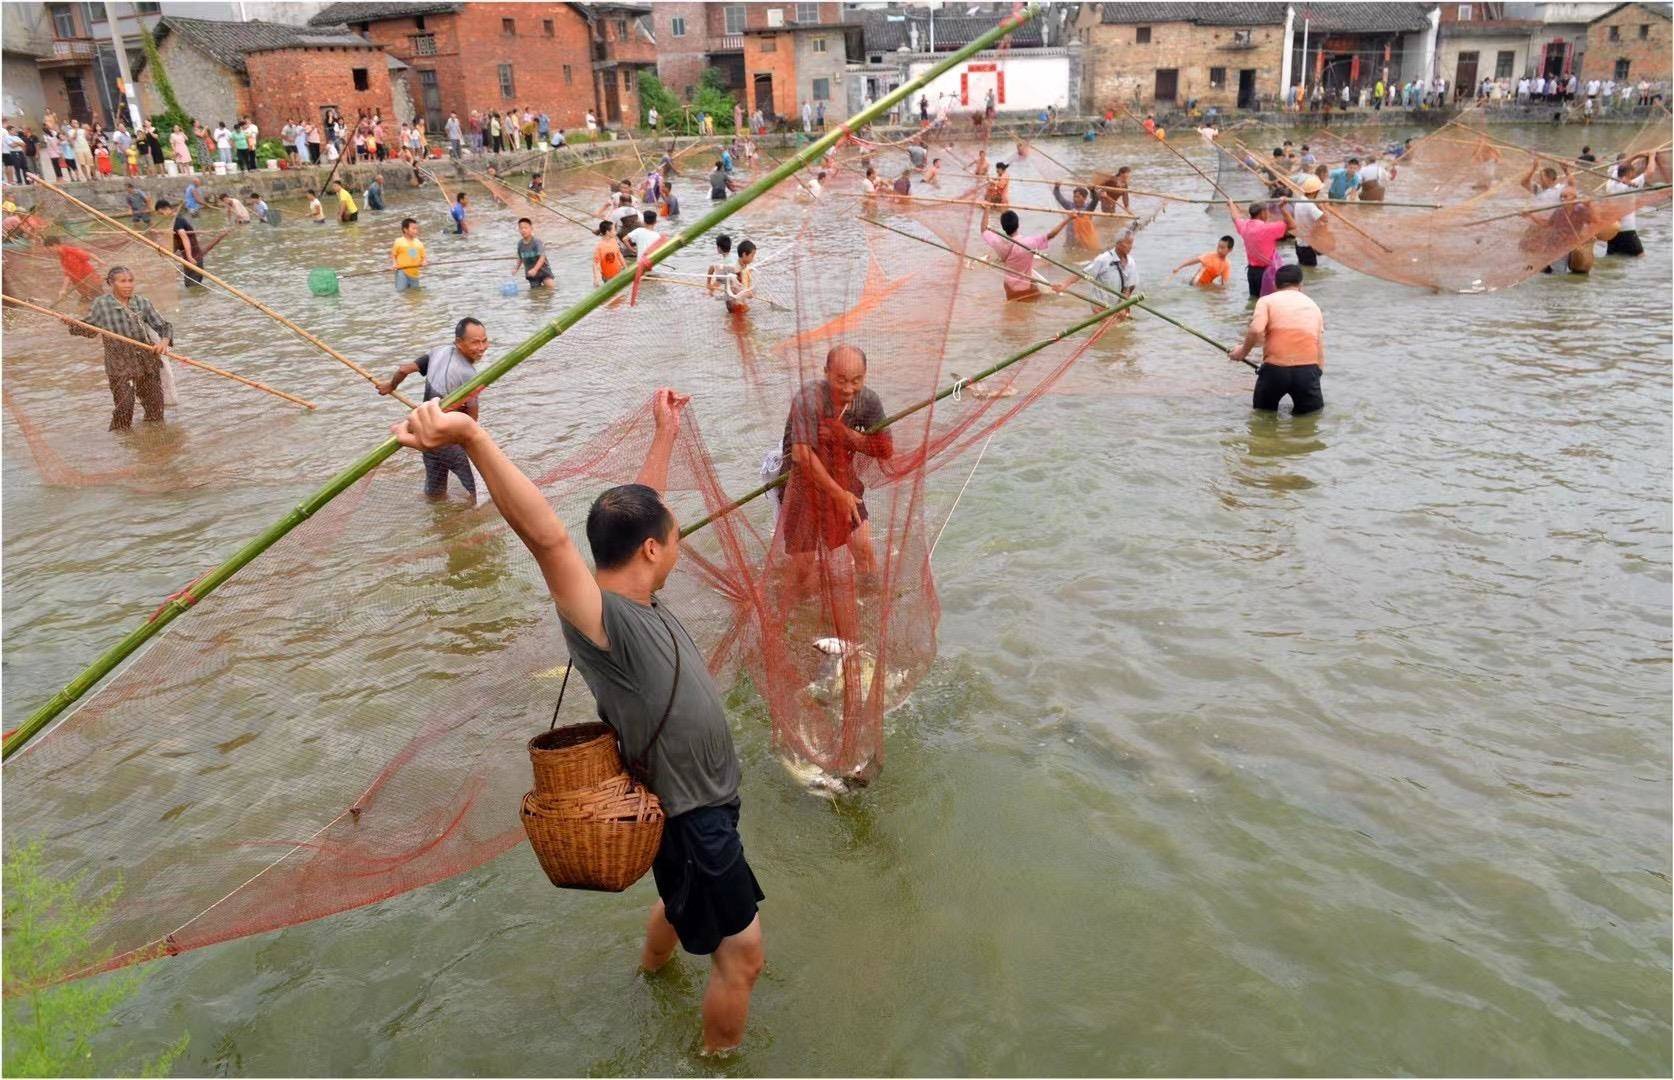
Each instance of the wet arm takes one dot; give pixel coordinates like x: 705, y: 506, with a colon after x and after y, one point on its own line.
x: 395, y: 380
x: 1058, y: 193
x: 804, y: 458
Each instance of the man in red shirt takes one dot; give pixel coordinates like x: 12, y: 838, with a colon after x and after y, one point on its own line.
x: 1261, y: 234
x: 78, y: 265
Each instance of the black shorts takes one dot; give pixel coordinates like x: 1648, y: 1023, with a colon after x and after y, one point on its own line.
x: 1301, y: 383
x: 1252, y: 274
x: 537, y: 279
x: 709, y: 891
x: 1306, y: 256
x: 1625, y: 242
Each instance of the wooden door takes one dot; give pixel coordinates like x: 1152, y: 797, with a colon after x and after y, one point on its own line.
x: 1168, y: 84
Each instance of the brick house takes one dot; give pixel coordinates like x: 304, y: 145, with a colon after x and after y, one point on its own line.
x: 1479, y: 42
x: 623, y: 45
x: 271, y: 72
x: 1040, y: 65
x: 484, y: 56
x: 794, y: 53
x: 1242, y: 55
x: 1630, y: 42
x: 693, y: 37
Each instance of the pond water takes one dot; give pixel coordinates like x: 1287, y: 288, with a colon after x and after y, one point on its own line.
x: 1255, y: 744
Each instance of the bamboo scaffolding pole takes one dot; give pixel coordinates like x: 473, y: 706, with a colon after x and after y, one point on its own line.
x: 1179, y: 154
x: 207, y: 584
x: 1070, y: 269
x: 955, y: 387
x: 1295, y: 188
x: 187, y: 360
x: 248, y: 299
x: 1560, y: 206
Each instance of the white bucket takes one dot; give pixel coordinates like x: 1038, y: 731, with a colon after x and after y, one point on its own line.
x: 171, y: 168
x: 544, y: 147
x: 220, y: 168
x: 273, y: 164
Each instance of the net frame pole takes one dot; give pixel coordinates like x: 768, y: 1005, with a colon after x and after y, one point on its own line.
x: 340, y: 483
x: 955, y: 387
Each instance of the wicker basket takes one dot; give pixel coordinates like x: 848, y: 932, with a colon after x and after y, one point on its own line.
x: 590, y: 825
x: 572, y: 757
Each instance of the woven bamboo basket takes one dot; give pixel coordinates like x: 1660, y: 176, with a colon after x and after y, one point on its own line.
x: 574, y: 756
x: 590, y: 824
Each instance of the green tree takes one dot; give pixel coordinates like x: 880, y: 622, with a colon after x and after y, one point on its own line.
x: 49, y: 1027
x: 654, y: 95
x: 714, y: 98
x: 159, y: 75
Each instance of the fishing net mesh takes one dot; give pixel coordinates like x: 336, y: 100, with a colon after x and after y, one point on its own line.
x: 423, y: 639
x: 1483, y: 235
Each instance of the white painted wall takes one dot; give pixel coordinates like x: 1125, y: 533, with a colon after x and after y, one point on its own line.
x: 1032, y: 82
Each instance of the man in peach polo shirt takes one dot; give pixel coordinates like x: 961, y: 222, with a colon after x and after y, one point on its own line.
x: 1290, y: 328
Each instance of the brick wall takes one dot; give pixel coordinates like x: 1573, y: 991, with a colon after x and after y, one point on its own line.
x: 1647, y: 57
x: 681, y: 60
x: 206, y: 89
x: 470, y: 46
x: 1118, y: 68
x: 773, y: 55
x: 288, y: 84
x: 756, y: 15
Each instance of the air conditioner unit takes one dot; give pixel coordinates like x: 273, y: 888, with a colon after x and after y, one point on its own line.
x: 775, y: 17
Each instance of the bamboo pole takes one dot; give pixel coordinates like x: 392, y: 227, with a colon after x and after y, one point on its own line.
x: 1199, y: 202
x: 486, y: 180
x: 247, y: 298
x: 429, y: 265
x: 1179, y: 154
x: 1062, y: 266
x: 1294, y: 187
x: 1006, y: 206
x: 187, y: 360
x: 1560, y: 206
x: 957, y: 385
x: 183, y: 601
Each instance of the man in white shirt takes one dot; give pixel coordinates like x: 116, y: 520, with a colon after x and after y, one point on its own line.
x: 644, y: 238
x: 1373, y: 176
x: 1114, y: 271
x: 1523, y: 91
x: 223, y: 143
x: 1630, y: 176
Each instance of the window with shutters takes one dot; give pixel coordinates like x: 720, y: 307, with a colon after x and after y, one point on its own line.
x: 424, y: 44
x: 677, y: 26
x: 734, y: 16
x: 1142, y: 36
x: 1504, y: 61
x: 507, y: 88
x: 808, y: 13
x: 1621, y: 70
x: 819, y: 44
x: 1217, y: 78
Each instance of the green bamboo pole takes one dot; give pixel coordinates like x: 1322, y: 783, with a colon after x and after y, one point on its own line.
x: 1079, y: 296
x: 340, y: 483
x: 957, y: 385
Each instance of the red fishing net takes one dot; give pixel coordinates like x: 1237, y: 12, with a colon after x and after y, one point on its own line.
x: 345, y: 719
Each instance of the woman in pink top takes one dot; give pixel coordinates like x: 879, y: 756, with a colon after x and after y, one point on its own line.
x: 1017, y: 253
x: 1261, y: 243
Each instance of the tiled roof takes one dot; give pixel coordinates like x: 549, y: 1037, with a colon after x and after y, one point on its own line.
x: 1252, y: 14
x: 889, y: 31
x: 227, y: 43
x: 1654, y: 9
x: 335, y: 14
x: 1352, y: 18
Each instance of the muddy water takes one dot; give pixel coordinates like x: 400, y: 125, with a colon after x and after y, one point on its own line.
x: 1255, y: 745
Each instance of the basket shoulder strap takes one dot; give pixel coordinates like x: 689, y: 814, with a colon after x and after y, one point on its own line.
x: 640, y: 767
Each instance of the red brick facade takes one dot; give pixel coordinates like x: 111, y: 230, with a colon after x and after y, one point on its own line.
x: 1634, y: 36
x: 546, y: 53
x: 681, y: 58
x: 290, y: 84
x: 770, y: 81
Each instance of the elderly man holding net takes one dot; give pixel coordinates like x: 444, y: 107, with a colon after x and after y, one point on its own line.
x: 652, y: 685
x: 133, y: 367
x: 831, y: 420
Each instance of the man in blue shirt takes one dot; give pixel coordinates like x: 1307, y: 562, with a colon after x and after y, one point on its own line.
x: 1345, y: 178
x: 192, y: 203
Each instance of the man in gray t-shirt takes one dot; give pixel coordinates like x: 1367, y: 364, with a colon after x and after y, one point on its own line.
x: 446, y: 369
x: 653, y: 687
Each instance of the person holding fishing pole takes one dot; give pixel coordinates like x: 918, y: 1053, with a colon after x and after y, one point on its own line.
x: 1290, y: 328
x: 445, y: 369
x: 133, y: 369
x: 652, y: 686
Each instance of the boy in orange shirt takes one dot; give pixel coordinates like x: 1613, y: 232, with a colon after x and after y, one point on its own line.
x: 1214, y: 264
x: 607, y: 255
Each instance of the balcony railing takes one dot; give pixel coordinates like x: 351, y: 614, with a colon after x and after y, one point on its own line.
x: 73, y: 49
x: 731, y: 41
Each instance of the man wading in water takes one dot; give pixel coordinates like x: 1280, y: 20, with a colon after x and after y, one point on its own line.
x: 624, y: 643
x: 445, y: 369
